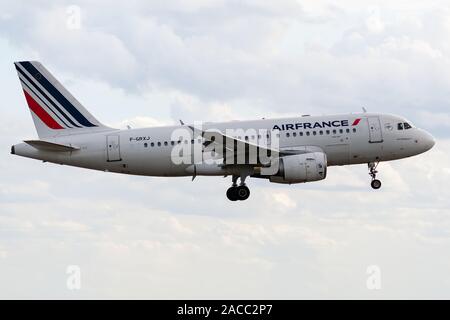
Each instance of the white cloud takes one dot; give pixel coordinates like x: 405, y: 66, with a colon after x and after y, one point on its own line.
x: 374, y: 23
x: 437, y: 119
x: 65, y: 226
x: 3, y: 254
x: 284, y: 200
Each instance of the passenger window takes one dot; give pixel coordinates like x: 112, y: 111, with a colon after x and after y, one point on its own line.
x: 301, y: 134
x: 341, y: 131
x: 307, y: 133
x: 321, y: 132
x: 407, y: 125
x: 294, y: 134
x: 347, y: 130
x: 314, y: 133
x: 172, y: 143
x: 145, y: 145
x: 159, y: 144
x: 152, y: 144
x: 328, y: 131
x: 287, y: 135
x: 165, y: 143
x: 334, y: 131
x: 354, y: 129
x: 400, y: 126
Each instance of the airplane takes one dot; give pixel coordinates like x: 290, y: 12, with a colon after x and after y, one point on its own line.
x: 286, y: 150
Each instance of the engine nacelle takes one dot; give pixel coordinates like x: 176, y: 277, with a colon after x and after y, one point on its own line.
x: 301, y: 168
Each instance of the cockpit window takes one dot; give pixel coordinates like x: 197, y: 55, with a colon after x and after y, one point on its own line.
x: 407, y: 125
x: 400, y: 126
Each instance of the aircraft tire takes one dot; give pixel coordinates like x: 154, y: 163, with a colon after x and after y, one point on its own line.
x: 243, y: 192
x: 232, y: 194
x: 375, y: 184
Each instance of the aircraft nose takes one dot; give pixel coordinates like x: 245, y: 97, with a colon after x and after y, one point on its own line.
x: 427, y: 141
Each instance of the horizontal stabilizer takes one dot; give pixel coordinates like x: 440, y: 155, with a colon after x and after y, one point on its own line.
x: 50, y: 146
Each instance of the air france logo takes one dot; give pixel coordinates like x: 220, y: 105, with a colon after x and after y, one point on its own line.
x: 314, y: 125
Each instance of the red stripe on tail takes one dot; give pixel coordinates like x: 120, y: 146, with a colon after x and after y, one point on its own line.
x: 41, y: 113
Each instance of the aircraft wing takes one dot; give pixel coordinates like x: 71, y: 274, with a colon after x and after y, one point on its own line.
x: 233, y: 149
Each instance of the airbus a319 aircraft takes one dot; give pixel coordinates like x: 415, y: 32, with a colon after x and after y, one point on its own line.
x: 287, y: 150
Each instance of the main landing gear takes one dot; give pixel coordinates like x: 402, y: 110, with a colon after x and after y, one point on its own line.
x: 375, y: 184
x: 235, y: 192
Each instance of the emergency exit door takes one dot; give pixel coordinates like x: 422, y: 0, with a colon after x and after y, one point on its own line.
x: 375, y: 134
x: 113, y: 148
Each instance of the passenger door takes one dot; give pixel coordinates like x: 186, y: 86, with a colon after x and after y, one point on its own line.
x: 375, y: 134
x: 113, y: 148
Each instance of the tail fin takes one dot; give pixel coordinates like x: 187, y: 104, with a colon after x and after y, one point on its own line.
x: 54, y: 110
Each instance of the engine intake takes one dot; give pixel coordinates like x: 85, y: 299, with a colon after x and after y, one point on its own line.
x: 301, y: 168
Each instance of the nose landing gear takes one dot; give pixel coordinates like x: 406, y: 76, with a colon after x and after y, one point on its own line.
x: 235, y: 192
x: 375, y: 184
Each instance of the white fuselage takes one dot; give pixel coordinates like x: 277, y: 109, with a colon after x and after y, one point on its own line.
x: 343, y: 138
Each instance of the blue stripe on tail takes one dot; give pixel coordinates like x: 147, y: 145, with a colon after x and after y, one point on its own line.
x: 56, y: 94
x: 33, y: 83
x: 38, y: 99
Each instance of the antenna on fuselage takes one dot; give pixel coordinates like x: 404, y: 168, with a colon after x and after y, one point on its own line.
x: 364, y: 110
x: 181, y: 122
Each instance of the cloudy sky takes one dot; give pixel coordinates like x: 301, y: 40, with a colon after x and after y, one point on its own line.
x: 153, y: 62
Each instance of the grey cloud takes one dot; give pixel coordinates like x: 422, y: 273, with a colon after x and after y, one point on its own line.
x: 235, y: 52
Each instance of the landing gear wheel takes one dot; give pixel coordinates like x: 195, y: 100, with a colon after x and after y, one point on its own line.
x: 232, y: 193
x: 375, y: 184
x: 243, y: 192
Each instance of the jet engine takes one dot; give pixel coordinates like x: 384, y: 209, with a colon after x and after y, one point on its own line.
x: 301, y: 168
